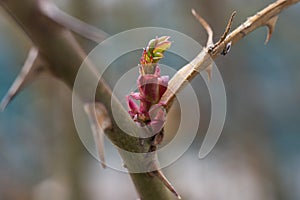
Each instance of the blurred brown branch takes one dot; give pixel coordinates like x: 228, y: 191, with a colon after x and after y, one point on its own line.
x: 50, y: 31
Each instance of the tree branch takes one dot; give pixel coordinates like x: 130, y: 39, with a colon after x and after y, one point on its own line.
x: 35, y: 21
x: 266, y: 17
x: 63, y: 54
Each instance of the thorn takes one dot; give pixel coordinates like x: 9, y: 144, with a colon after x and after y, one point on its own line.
x: 228, y: 27
x: 208, y: 70
x: 100, y: 122
x: 31, y: 68
x: 271, y: 26
x: 81, y: 28
x: 206, y: 27
x: 165, y: 181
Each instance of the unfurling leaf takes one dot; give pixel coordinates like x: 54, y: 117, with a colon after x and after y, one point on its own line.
x: 151, y: 84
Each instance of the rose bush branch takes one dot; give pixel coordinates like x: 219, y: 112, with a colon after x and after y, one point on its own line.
x: 54, y: 45
x: 266, y: 17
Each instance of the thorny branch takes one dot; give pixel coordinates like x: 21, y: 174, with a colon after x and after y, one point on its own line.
x: 266, y: 17
x: 35, y: 17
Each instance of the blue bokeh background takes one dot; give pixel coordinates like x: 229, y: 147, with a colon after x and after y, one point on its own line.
x: 257, y: 156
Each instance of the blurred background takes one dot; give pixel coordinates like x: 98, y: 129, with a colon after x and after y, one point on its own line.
x: 257, y: 156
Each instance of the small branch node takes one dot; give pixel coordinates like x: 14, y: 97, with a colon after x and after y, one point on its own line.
x: 223, y: 37
x: 226, y: 48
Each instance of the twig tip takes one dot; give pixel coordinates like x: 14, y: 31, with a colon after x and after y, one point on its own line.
x: 193, y: 11
x: 233, y: 13
x: 206, y: 26
x: 6, y: 100
x: 3, y: 105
